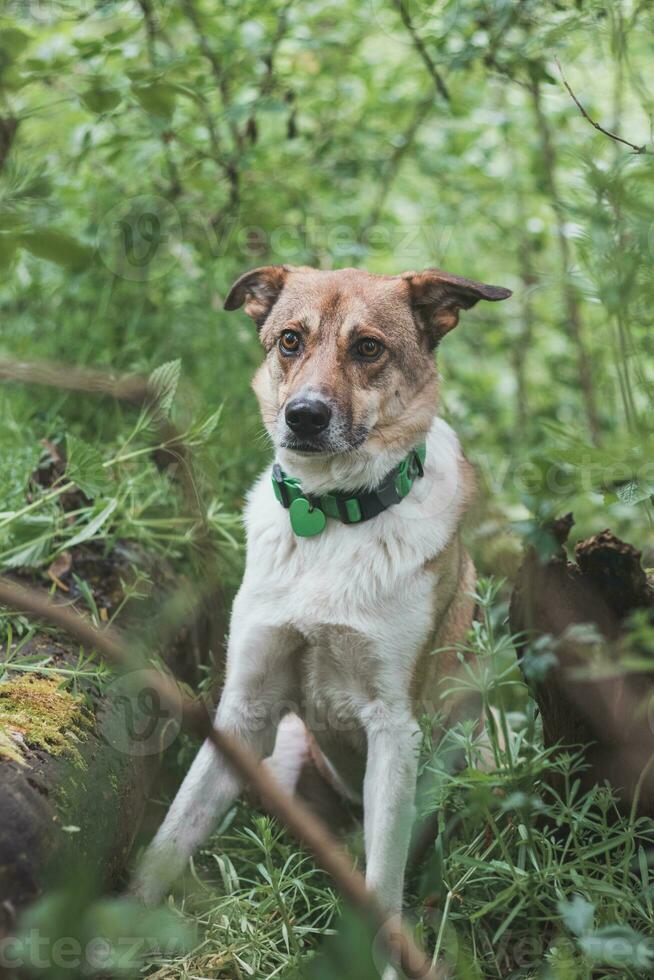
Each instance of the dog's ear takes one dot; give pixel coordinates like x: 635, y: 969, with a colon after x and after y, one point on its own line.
x: 437, y: 297
x: 259, y: 289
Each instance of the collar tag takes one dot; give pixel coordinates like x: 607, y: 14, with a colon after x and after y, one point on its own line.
x: 306, y: 521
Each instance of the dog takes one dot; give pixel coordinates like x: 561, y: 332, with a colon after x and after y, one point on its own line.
x: 355, y: 571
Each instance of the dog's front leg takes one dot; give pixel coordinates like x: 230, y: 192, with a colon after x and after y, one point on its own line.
x: 388, y: 800
x: 256, y: 686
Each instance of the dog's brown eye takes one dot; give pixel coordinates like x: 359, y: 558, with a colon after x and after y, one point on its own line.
x: 289, y: 342
x: 369, y: 349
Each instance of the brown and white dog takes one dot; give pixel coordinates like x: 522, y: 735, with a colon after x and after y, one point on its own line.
x: 333, y: 632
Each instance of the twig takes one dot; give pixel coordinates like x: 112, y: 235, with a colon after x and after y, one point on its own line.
x: 8, y: 127
x: 229, y: 166
x: 151, y: 28
x: 596, y: 125
x: 420, y: 47
x: 394, y: 163
x: 126, y: 387
x: 306, y: 827
x: 268, y: 80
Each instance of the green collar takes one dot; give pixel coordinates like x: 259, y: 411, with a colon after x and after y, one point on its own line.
x: 309, y: 513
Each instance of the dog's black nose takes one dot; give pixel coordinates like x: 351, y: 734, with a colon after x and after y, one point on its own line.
x: 307, y: 417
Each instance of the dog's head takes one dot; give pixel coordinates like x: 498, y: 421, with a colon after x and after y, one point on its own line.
x: 350, y: 354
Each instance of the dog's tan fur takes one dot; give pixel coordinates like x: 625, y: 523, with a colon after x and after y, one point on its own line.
x: 332, y: 311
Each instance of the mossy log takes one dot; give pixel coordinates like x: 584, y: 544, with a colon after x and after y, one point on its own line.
x: 77, y: 761
x: 592, y: 695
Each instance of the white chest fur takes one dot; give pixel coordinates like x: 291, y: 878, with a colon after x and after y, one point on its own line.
x: 360, y: 595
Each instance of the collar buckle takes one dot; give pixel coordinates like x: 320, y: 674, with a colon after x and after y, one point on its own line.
x: 279, y: 486
x: 416, y: 467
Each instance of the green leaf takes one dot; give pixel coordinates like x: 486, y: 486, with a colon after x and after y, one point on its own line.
x: 30, y: 537
x: 100, y: 98
x: 84, y: 467
x: 163, y: 381
x: 634, y: 492
x: 20, y: 457
x: 90, y: 530
x: 205, y: 428
x: 56, y: 246
x: 13, y: 42
x: 8, y: 246
x: 157, y: 98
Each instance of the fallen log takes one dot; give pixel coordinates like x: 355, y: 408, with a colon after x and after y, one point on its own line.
x: 592, y: 695
x: 78, y: 761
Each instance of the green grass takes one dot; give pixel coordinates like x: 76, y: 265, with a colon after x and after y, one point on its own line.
x: 522, y: 880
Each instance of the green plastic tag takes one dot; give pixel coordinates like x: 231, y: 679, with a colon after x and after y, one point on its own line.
x: 305, y: 520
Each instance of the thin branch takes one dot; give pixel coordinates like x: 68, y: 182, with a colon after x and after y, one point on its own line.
x: 394, y: 163
x: 8, y: 127
x: 152, y: 30
x: 420, y: 47
x: 125, y: 387
x: 596, y: 125
x: 229, y: 166
x: 306, y: 827
x: 268, y: 80
x: 573, y: 315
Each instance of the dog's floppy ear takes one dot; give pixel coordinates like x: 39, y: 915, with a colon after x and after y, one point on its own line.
x: 437, y: 297
x: 259, y: 289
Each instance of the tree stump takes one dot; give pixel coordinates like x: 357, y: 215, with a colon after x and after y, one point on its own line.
x: 583, y: 701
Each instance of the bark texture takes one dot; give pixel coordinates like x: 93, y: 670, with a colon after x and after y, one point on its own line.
x: 598, y: 702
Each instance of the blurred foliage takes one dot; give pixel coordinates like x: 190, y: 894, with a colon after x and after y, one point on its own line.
x: 152, y: 150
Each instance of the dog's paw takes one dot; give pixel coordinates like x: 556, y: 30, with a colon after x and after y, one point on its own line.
x: 145, y: 889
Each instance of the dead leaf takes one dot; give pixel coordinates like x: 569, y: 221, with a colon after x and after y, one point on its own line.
x: 60, y: 567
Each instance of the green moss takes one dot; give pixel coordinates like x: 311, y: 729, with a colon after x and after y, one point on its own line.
x: 10, y: 749
x: 42, y: 714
